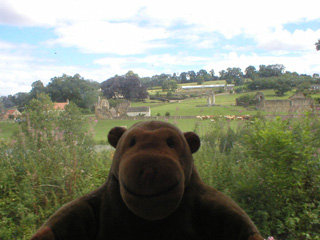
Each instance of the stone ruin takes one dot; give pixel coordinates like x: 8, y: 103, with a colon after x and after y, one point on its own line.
x: 296, y: 103
x: 104, y: 111
x: 211, y: 99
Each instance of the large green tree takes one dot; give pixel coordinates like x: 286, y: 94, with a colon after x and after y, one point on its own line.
x: 281, y: 87
x: 234, y: 75
x: 169, y: 85
x: 183, y: 77
x: 273, y: 70
x: 127, y: 86
x: 251, y: 72
x: 37, y: 89
x: 203, y: 76
x: 84, y: 93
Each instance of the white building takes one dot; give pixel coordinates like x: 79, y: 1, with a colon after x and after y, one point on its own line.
x: 139, y: 111
x: 225, y: 86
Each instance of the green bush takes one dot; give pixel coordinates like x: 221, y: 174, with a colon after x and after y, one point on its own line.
x: 47, y: 164
x: 246, y: 100
x: 271, y: 168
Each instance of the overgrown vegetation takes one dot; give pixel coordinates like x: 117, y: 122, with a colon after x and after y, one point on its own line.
x: 270, y: 167
x: 46, y: 164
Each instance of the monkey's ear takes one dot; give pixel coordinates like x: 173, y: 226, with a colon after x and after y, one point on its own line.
x: 193, y: 141
x: 44, y: 233
x: 114, y: 135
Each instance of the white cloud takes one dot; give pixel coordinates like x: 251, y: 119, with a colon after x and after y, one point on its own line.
x: 130, y: 27
x: 6, y: 46
x: 308, y: 63
x: 52, y: 13
x: 105, y: 37
x: 154, y: 61
x: 122, y: 28
x: 281, y: 39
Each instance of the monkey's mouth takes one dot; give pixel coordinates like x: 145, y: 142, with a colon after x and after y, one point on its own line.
x: 168, y: 190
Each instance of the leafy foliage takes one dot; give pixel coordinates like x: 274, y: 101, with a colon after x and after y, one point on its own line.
x: 49, y: 162
x: 246, y: 100
x: 272, y: 168
x: 83, y: 93
x: 127, y: 86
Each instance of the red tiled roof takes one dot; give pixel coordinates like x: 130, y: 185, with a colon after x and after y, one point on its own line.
x: 11, y: 111
x: 60, y: 106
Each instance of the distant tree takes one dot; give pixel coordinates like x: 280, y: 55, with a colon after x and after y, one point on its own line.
x: 1, y: 105
x: 169, y: 85
x: 251, y: 72
x: 132, y: 88
x: 175, y: 77
x: 130, y: 73
x: 84, y: 93
x: 200, y: 80
x: 203, y: 76
x: 21, y: 99
x: 222, y: 74
x: 234, y: 75
x: 183, y: 77
x: 212, y: 74
x: 127, y: 86
x: 37, y: 89
x: 318, y: 45
x: 271, y: 70
x: 8, y: 101
x: 111, y: 88
x: 192, y: 76
x: 303, y: 86
x: 281, y: 87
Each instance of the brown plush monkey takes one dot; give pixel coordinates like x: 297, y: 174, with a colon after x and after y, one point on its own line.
x: 153, y: 192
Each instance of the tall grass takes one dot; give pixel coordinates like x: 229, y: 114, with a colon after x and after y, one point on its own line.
x: 270, y: 167
x: 44, y: 168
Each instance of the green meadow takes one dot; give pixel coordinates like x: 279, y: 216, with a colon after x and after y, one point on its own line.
x: 225, y: 105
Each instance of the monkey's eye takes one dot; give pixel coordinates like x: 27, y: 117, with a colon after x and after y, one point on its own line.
x: 170, y: 142
x: 132, y: 142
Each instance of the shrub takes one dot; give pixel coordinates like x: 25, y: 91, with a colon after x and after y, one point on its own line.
x: 43, y: 167
x: 245, y: 100
x: 271, y: 168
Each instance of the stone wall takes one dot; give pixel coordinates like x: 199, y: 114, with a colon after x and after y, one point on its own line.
x: 104, y: 111
x: 296, y: 103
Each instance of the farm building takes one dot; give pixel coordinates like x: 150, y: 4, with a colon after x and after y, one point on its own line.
x: 11, y: 114
x: 139, y: 111
x: 315, y: 87
x: 225, y: 86
x: 60, y: 105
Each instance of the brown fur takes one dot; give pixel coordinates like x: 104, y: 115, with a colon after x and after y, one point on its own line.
x: 153, y: 192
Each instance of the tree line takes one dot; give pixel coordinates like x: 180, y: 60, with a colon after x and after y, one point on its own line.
x: 84, y: 93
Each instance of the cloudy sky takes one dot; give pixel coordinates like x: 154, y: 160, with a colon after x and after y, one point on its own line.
x: 41, y: 39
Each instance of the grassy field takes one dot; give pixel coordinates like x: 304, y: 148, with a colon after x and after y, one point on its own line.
x: 102, y: 127
x: 189, y: 107
x: 7, y: 129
